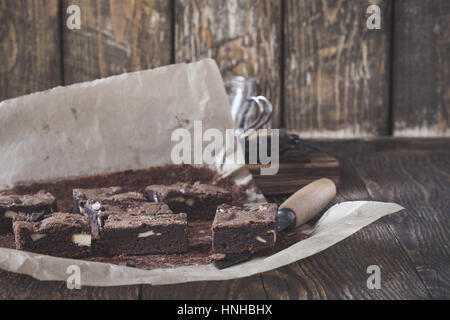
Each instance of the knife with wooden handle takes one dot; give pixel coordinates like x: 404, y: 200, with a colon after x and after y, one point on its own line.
x: 301, y: 207
x: 305, y: 204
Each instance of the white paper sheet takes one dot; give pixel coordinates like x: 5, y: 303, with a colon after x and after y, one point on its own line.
x: 110, y: 125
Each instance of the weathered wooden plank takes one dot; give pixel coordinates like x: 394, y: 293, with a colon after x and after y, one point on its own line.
x: 29, y: 46
x: 414, y: 175
x: 242, y: 289
x: 421, y: 96
x: 341, y: 271
x: 20, y: 287
x: 117, y: 36
x: 243, y: 36
x: 337, y: 70
x: 425, y: 243
x: 417, y: 178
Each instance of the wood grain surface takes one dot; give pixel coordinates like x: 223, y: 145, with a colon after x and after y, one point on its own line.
x: 117, y: 36
x: 292, y: 176
x: 20, y: 287
x: 337, y: 70
x: 29, y: 46
x: 421, y: 69
x: 251, y: 288
x: 410, y: 247
x: 243, y: 36
x: 420, y: 182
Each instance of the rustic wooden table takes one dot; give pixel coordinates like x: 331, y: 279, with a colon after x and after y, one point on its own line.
x: 411, y: 248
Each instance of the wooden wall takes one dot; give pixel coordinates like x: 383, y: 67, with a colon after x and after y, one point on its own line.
x: 337, y: 70
x: 29, y: 46
x: 327, y: 74
x: 421, y: 69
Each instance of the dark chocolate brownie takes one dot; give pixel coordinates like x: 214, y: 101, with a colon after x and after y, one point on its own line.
x: 136, y: 228
x: 57, y: 234
x: 112, y: 195
x: 11, y: 205
x: 244, y: 229
x: 199, y: 201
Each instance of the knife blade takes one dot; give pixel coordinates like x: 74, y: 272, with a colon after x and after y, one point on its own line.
x: 298, y: 209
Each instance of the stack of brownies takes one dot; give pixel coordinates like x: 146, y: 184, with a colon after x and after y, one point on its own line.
x: 116, y: 221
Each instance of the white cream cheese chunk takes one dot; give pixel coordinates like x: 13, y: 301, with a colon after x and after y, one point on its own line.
x: 83, y: 240
x: 37, y: 236
x: 10, y: 214
x: 148, y: 234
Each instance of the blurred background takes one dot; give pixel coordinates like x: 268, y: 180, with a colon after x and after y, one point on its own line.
x: 327, y: 74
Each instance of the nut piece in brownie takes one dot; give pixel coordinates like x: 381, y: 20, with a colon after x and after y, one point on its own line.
x: 57, y: 234
x: 199, y: 201
x: 135, y: 228
x: 12, y: 205
x: 112, y: 195
x: 244, y: 229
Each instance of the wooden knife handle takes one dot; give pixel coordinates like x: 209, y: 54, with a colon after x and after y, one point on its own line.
x: 311, y: 200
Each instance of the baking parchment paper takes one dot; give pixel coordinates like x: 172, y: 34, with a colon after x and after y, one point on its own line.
x: 125, y: 123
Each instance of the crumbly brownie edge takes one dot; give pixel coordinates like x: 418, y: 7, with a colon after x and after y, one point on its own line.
x: 244, y: 229
x: 60, y: 239
x: 156, y: 239
x: 162, y: 232
x: 244, y: 238
x: 6, y: 223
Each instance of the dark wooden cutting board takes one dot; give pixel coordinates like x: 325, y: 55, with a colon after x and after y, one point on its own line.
x: 292, y: 176
x: 300, y: 164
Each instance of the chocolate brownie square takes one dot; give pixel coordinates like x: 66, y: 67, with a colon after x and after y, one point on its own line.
x: 135, y: 228
x: 111, y: 195
x: 244, y: 229
x: 11, y: 205
x: 57, y: 234
x: 199, y: 201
